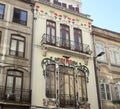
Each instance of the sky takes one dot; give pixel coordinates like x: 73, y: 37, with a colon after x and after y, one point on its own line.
x: 104, y: 13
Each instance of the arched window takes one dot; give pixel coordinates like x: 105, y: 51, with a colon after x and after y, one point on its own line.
x: 82, y: 88
x: 14, y: 84
x: 50, y: 81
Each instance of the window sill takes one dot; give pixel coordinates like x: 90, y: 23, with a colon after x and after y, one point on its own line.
x: 103, y: 62
x: 17, y: 57
x: 115, y: 65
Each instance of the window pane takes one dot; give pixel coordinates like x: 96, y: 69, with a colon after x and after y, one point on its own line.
x: 65, y: 36
x: 61, y: 77
x: 15, y: 73
x: 102, y: 89
x: 51, y: 31
x: 50, y: 81
x: 13, y: 47
x: 2, y: 11
x: 77, y: 39
x: 9, y: 86
x: 23, y: 16
x: 21, y: 49
x: 72, y: 85
x: 114, y: 55
x: 80, y: 87
x: 117, y: 90
x: 18, y: 83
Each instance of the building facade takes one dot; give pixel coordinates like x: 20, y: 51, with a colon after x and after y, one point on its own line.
x: 63, y: 69
x: 15, y: 54
x: 108, y: 66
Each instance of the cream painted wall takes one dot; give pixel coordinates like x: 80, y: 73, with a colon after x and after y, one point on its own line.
x: 38, y: 81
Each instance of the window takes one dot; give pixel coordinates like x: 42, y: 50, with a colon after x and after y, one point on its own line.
x: 51, y: 32
x: 50, y: 81
x: 68, y: 87
x: 77, y: 39
x: 13, y: 84
x: 105, y: 89
x: 100, y: 47
x: 2, y: 9
x: 17, y: 47
x: 82, y: 88
x: 117, y: 90
x: 114, y: 55
x: 65, y: 36
x: 20, y: 16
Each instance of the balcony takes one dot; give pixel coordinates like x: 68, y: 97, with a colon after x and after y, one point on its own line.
x: 19, y: 96
x: 67, y: 100
x: 66, y: 44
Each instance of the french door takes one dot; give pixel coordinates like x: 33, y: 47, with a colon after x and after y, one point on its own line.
x: 14, y: 85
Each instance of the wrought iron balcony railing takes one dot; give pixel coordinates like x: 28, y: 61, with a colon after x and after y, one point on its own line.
x: 66, y: 44
x: 67, y: 100
x: 17, y: 95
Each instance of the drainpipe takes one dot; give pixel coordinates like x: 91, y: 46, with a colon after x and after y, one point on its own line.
x: 31, y: 58
x: 96, y: 73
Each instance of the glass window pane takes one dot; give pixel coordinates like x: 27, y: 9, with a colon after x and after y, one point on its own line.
x: 66, y: 84
x: 9, y: 86
x: 79, y: 87
x: 18, y: 82
x: 1, y: 11
x: 50, y: 81
x: 61, y: 77
x: 102, y: 89
x: 84, y: 87
x: 13, y: 45
x: 21, y: 47
x: 72, y: 85
x: 23, y: 16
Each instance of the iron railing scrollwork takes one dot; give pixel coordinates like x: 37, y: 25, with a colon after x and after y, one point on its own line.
x: 18, y: 95
x: 65, y: 44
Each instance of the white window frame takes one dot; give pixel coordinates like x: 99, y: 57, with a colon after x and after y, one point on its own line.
x: 117, y: 84
x: 100, y: 47
x: 114, y: 52
x: 105, y: 82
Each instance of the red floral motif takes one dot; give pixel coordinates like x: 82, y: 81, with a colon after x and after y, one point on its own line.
x: 37, y: 6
